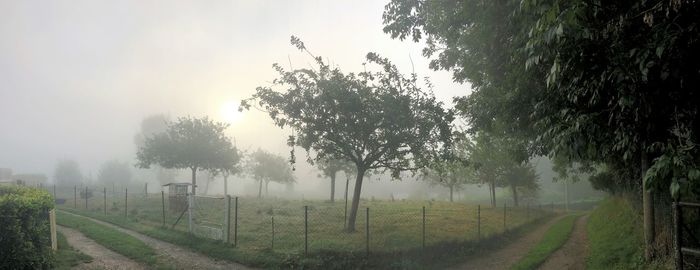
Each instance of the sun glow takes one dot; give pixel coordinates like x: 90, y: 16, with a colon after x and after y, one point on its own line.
x: 230, y: 113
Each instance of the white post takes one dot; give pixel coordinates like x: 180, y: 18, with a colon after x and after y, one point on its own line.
x: 190, y: 206
x: 227, y: 218
x: 52, y: 222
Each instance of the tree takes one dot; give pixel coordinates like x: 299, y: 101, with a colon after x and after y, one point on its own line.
x: 521, y: 177
x: 266, y: 167
x: 114, y: 171
x: 330, y: 168
x: 376, y: 120
x: 189, y: 143
x: 454, y: 173
x: 230, y: 166
x: 67, y: 173
x: 151, y: 125
x: 609, y: 82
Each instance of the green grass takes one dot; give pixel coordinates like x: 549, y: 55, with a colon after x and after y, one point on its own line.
x: 615, y: 236
x: 66, y: 256
x: 110, y: 238
x: 552, y: 240
x: 450, y: 233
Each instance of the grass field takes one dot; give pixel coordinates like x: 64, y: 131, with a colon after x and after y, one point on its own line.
x: 110, y: 238
x: 552, y: 240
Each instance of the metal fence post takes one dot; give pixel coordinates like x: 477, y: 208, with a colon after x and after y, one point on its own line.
x: 423, y: 234
x: 272, y: 246
x: 306, y: 229
x: 227, y: 219
x: 54, y: 191
x: 478, y: 223
x: 527, y: 211
x: 235, y: 228
x: 677, y: 230
x: 162, y: 202
x: 190, y: 202
x: 75, y: 197
x: 104, y: 196
x: 145, y: 191
x: 504, y: 217
x: 367, y: 231
x: 86, y: 198
x: 126, y: 200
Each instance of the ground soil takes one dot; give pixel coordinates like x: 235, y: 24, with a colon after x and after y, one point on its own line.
x: 572, y: 255
x: 103, y: 258
x: 178, y: 257
x: 505, y: 257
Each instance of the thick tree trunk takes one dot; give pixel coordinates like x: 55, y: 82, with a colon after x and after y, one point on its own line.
x: 493, y: 193
x: 648, y: 205
x: 515, y: 194
x: 451, y: 192
x: 355, y: 199
x: 333, y: 187
x: 194, y: 180
x: 260, y: 189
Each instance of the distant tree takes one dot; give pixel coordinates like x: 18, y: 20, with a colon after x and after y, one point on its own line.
x: 114, y: 172
x: 330, y: 168
x: 492, y: 156
x: 266, y: 167
x: 151, y: 125
x: 521, y: 178
x: 189, y: 143
x: 230, y: 165
x: 454, y: 173
x: 67, y: 173
x: 376, y: 120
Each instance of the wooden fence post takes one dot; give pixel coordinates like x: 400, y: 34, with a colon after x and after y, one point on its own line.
x: 367, y: 231
x: 126, y: 201
x: 478, y: 223
x: 306, y: 229
x: 423, y: 233
x: 104, y: 195
x: 677, y: 240
x: 235, y: 228
x: 52, y: 224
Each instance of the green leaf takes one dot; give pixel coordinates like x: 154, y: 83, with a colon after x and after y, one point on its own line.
x: 675, y: 189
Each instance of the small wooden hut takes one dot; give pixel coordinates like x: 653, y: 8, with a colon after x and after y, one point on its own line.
x: 177, y: 196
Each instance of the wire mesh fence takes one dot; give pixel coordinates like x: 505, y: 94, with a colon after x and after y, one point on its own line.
x: 288, y: 226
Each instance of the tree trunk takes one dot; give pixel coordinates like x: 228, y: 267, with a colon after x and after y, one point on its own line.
x: 493, y: 193
x: 451, y: 192
x: 194, y: 180
x: 355, y: 199
x: 515, y: 194
x: 206, y: 185
x: 225, y: 185
x: 260, y: 189
x: 333, y: 187
x: 648, y: 205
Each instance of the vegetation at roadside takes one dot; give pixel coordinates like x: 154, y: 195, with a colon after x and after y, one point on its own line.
x: 110, y: 238
x: 66, y: 256
x: 616, y: 239
x: 553, y: 239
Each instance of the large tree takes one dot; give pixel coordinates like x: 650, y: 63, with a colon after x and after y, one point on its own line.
x: 330, y: 168
x: 609, y: 82
x: 114, y: 171
x: 67, y: 173
x: 189, y: 143
x: 151, y: 125
x: 266, y: 167
x: 521, y: 178
x: 376, y: 120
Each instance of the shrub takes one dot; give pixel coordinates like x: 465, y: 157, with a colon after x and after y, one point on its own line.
x: 25, y: 241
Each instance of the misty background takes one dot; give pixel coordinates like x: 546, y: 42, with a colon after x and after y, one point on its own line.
x: 76, y: 83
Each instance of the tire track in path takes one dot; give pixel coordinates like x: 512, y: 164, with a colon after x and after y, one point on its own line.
x: 102, y: 257
x: 572, y: 255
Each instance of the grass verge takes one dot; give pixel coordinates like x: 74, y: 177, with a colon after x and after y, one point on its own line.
x: 112, y: 239
x: 615, y: 236
x: 552, y: 240
x: 66, y: 256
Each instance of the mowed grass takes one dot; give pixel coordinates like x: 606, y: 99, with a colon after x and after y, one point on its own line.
x: 110, y: 238
x: 66, y: 256
x: 615, y: 236
x: 552, y: 240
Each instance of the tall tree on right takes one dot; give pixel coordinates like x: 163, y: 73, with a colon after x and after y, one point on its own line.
x: 374, y: 119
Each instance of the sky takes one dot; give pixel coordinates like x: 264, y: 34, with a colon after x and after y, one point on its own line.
x: 77, y: 77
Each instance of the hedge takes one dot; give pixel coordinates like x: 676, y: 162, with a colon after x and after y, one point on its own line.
x: 25, y: 241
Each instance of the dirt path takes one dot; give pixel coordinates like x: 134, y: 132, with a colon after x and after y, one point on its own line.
x: 572, y: 255
x: 181, y: 258
x: 103, y: 258
x: 505, y: 257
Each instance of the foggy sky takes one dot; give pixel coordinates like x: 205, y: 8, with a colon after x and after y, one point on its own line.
x: 77, y: 77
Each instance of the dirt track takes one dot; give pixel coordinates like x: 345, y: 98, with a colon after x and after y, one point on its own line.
x: 103, y: 258
x: 572, y: 255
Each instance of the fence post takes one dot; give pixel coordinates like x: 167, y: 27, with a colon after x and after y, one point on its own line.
x: 54, y: 191
x: 227, y: 219
x: 478, y: 223
x: 162, y: 202
x: 86, y: 198
x: 423, y: 233
x: 126, y: 200
x: 104, y: 195
x: 367, y: 231
x: 527, y: 211
x: 504, y: 217
x: 272, y: 247
x: 145, y: 191
x: 190, y: 201
x: 75, y: 197
x: 235, y: 228
x: 306, y: 229
x: 552, y: 207
x: 52, y: 228
x: 677, y: 230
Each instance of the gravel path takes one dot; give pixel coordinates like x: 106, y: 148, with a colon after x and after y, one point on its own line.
x: 505, y: 257
x: 181, y: 258
x: 572, y: 255
x: 103, y: 258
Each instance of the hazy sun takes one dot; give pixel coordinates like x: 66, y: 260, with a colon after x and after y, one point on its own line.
x: 229, y: 112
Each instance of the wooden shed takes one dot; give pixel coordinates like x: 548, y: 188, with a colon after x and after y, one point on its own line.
x: 177, y: 196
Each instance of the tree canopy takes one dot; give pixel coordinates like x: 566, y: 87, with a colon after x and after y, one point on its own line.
x: 266, y: 167
x: 376, y: 120
x: 190, y: 143
x: 67, y: 173
x: 114, y: 172
x: 330, y: 168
